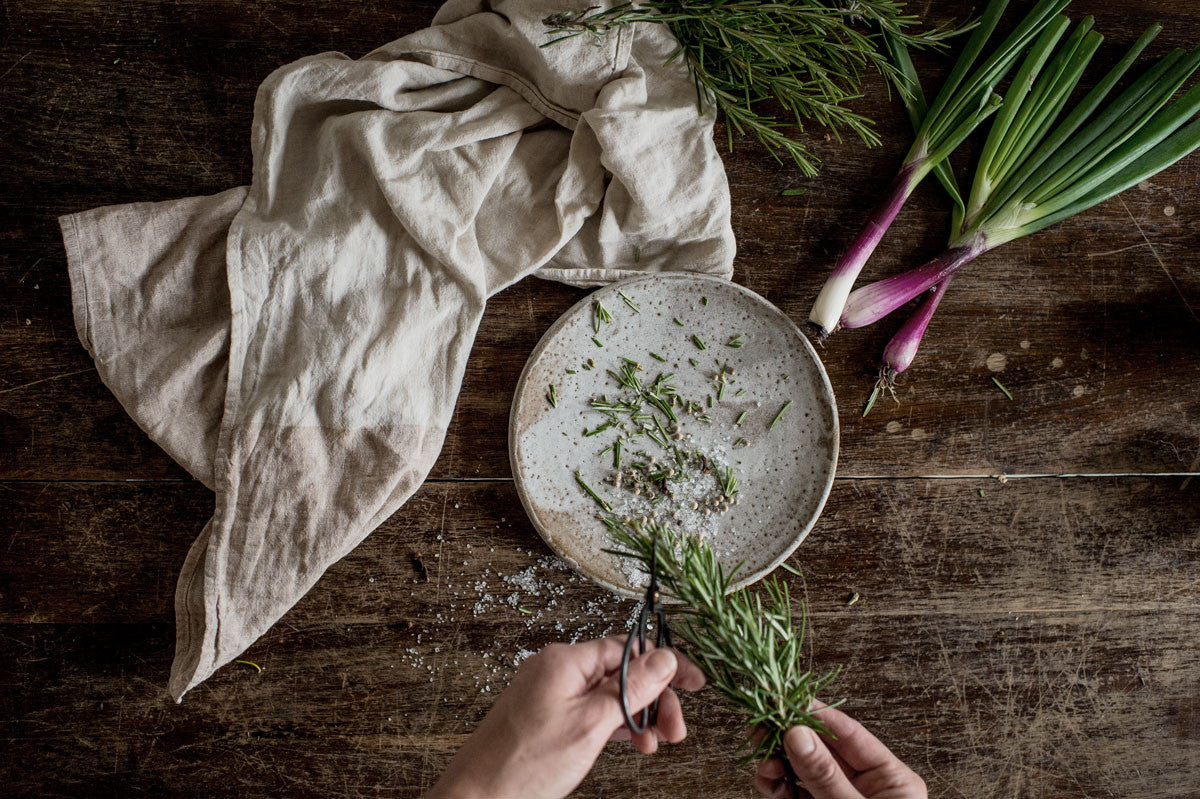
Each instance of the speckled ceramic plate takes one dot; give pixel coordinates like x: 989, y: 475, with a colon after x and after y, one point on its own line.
x: 784, y: 473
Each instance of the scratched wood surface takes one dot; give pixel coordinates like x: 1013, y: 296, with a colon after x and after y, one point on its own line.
x: 1033, y: 638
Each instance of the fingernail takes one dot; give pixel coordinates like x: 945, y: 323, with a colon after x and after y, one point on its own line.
x: 661, y: 664
x: 800, y: 741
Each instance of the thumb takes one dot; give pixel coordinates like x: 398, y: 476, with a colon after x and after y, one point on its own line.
x: 648, y: 676
x: 815, y: 766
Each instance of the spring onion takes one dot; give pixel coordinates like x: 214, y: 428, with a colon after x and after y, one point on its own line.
x: 965, y: 100
x: 1031, y: 179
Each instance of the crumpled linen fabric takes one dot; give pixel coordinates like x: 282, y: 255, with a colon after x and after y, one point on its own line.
x: 298, y: 344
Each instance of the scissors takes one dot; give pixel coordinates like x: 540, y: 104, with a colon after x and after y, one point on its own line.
x: 651, y: 604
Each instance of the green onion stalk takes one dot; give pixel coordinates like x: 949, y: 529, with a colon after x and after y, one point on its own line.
x: 965, y: 100
x: 1028, y: 179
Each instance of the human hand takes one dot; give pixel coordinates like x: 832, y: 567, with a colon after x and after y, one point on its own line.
x: 854, y: 766
x: 546, y: 730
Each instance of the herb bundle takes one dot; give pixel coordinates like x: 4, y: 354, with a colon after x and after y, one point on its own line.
x: 806, y: 56
x: 747, y: 642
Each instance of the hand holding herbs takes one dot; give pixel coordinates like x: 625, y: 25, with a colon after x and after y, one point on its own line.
x: 805, y: 56
x: 1038, y: 165
x: 745, y: 641
x: 546, y: 730
x: 849, y: 764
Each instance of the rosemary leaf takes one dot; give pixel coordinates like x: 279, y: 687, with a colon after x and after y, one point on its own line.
x: 630, y: 302
x: 779, y: 416
x: 591, y: 493
x: 697, y: 341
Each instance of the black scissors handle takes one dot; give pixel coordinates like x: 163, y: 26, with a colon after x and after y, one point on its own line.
x: 652, y: 603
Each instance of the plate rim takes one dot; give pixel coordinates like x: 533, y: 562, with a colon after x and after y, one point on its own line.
x: 747, y: 579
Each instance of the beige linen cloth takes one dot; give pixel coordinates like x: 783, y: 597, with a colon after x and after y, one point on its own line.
x: 298, y: 345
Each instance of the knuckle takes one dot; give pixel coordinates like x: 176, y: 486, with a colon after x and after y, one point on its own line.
x: 823, y: 771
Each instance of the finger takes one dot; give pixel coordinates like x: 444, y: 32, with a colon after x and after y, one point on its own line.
x: 648, y: 676
x: 620, y: 734
x: 772, y: 789
x: 599, y: 658
x: 688, y: 675
x: 857, y: 746
x: 815, y: 767
x: 771, y: 769
x: 670, y: 724
x: 646, y: 742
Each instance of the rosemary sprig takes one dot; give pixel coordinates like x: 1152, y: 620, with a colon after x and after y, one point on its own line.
x: 806, y: 56
x: 747, y: 642
x: 729, y: 483
x: 779, y: 416
x: 599, y: 500
x: 600, y: 315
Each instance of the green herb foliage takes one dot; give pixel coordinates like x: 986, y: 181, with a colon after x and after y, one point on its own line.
x: 747, y: 642
x: 804, y: 56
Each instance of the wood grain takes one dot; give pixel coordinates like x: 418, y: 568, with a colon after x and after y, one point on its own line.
x: 1037, y: 637
x: 1011, y: 631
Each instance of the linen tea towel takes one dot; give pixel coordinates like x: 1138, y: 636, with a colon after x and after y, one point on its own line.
x: 298, y: 344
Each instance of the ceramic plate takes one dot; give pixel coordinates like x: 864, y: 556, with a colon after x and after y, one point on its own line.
x: 783, y: 473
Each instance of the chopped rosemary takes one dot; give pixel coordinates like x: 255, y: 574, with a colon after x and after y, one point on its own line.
x: 637, y: 254
x: 708, y: 400
x: 699, y: 344
x: 729, y: 483
x: 526, y: 611
x: 658, y: 357
x: 596, y: 341
x: 617, y: 454
x: 693, y: 362
x: 1000, y: 386
x: 591, y: 493
x: 743, y: 442
x: 871, y: 400
x: 600, y: 428
x: 735, y: 341
x: 739, y: 392
x: 705, y: 418
x: 552, y: 396
x: 779, y: 416
x: 678, y: 321
x: 792, y: 192
x: 704, y: 300
x: 600, y: 315
x: 572, y: 372
x: 741, y: 418
x: 630, y: 302
x: 721, y: 391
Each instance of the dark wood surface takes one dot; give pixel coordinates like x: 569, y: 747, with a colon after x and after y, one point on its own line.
x: 1033, y: 637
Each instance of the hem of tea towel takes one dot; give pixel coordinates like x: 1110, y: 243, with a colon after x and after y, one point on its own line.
x: 591, y: 278
x: 77, y: 272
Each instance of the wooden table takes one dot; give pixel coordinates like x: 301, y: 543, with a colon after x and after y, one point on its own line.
x: 1034, y: 635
